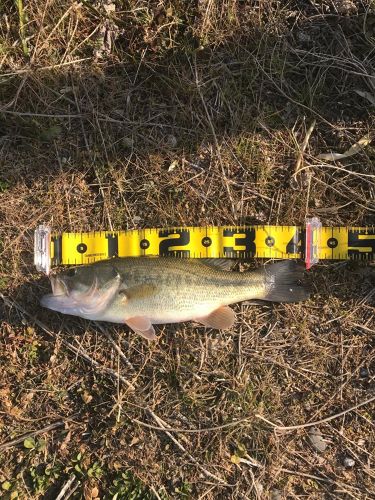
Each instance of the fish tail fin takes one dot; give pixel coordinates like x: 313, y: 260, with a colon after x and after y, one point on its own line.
x: 283, y: 282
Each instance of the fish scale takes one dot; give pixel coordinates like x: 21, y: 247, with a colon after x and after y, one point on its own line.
x: 182, y: 283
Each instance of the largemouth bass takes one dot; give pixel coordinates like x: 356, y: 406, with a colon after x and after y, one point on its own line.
x: 144, y: 291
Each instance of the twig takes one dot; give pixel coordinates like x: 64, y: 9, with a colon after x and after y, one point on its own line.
x: 45, y: 68
x: 303, y: 148
x: 160, y: 422
x: 215, y: 139
x: 323, y: 479
x: 48, y: 428
x: 78, y: 351
x: 192, y: 431
x: 67, y: 490
x: 115, y: 345
x: 22, y: 24
x: 316, y: 422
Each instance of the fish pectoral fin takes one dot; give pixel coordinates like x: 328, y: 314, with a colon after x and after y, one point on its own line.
x: 142, y: 325
x: 137, y: 292
x: 222, y: 318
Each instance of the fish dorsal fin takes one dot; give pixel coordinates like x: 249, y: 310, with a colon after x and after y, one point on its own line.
x: 137, y: 292
x: 223, y: 264
x: 221, y: 319
x: 142, y: 325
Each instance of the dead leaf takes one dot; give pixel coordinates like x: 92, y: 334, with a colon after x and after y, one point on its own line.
x: 356, y: 148
x: 86, y: 396
x: 173, y: 165
x: 94, y: 492
x: 134, y: 441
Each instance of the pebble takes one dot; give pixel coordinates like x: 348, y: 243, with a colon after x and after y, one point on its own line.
x: 276, y: 495
x: 127, y: 142
x: 171, y: 141
x: 349, y: 462
x: 316, y: 439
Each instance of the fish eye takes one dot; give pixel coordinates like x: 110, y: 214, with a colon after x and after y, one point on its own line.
x: 71, y: 272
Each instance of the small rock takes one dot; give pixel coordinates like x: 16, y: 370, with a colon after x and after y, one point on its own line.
x: 316, y: 439
x: 276, y: 495
x: 303, y: 37
x: 259, y: 488
x: 349, y: 462
x: 345, y: 7
x: 127, y: 142
x: 171, y: 141
x: 363, y: 372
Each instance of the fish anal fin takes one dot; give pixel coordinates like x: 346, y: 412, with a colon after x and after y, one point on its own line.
x: 223, y: 264
x: 142, y: 325
x: 221, y: 319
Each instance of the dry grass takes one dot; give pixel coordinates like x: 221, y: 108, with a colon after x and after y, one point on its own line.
x: 96, y: 104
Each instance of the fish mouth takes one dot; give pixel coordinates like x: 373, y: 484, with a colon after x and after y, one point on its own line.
x: 60, y: 299
x: 59, y: 286
x: 59, y: 303
x: 87, y: 304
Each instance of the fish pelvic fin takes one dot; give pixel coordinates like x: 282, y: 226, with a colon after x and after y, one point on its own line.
x: 283, y: 282
x: 221, y: 319
x: 142, y: 326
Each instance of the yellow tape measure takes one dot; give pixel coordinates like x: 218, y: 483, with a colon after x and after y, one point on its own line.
x: 311, y: 243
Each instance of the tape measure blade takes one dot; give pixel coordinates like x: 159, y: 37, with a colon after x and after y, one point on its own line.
x: 236, y: 242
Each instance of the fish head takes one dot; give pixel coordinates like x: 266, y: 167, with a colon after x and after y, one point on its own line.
x: 84, y: 291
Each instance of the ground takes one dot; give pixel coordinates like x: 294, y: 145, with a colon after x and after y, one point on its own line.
x: 143, y: 113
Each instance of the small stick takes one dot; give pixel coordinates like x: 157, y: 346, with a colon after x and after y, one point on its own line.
x: 67, y: 489
x: 115, y: 345
x: 303, y: 148
x: 192, y: 431
x: 217, y: 148
x: 323, y: 479
x: 48, y: 428
x: 316, y: 422
x: 160, y: 422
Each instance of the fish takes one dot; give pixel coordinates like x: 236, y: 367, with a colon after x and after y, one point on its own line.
x: 145, y: 291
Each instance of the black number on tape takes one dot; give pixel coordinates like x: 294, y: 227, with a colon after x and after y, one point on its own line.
x: 166, y: 246
x: 297, y: 242
x: 57, y: 250
x: 244, y: 237
x: 356, y: 244
x: 112, y: 240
